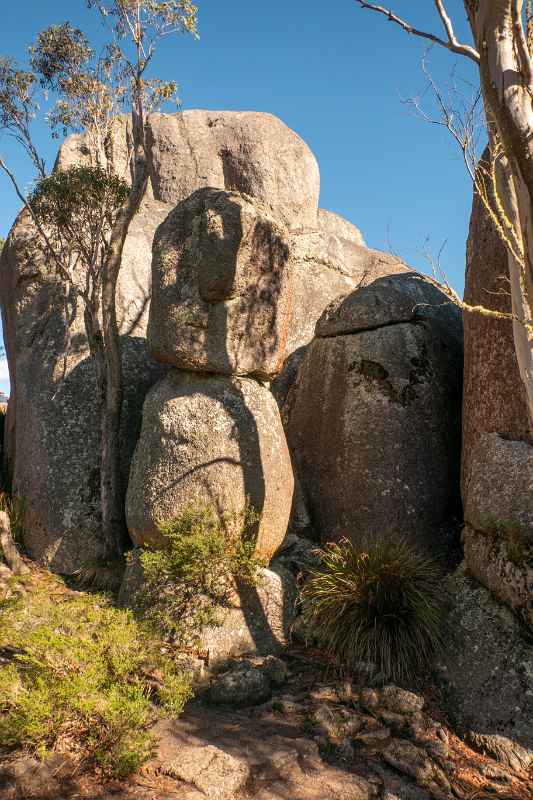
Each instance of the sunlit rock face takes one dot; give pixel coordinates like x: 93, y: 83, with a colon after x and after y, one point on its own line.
x: 52, y: 429
x: 215, y: 440
x: 221, y: 287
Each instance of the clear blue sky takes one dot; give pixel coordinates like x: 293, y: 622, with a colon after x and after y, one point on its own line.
x: 333, y: 73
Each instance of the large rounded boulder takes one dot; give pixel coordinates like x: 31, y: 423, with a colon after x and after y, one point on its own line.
x: 241, y: 151
x: 52, y: 440
x: 373, y: 420
x: 221, y: 289
x: 214, y: 440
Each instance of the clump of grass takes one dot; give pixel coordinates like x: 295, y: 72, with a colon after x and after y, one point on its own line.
x: 187, y: 583
x: 380, y: 602
x: 519, y: 551
x: 78, y: 674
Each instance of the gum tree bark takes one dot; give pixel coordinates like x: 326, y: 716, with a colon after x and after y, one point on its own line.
x: 506, y: 76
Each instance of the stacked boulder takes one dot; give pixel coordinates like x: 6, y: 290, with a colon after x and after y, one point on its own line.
x: 51, y: 445
x: 220, y: 313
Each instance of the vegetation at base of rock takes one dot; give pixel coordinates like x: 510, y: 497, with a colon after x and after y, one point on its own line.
x: 187, y: 583
x: 380, y: 603
x: 78, y: 674
x: 519, y: 551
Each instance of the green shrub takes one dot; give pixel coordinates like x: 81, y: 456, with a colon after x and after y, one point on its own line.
x: 187, y: 583
x: 381, y: 603
x: 77, y: 671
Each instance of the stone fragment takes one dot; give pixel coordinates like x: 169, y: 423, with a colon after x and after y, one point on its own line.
x: 374, y: 739
x: 221, y: 287
x: 215, y: 440
x: 412, y: 761
x: 370, y: 699
x: 260, y: 623
x: 243, y: 686
x: 400, y: 701
x: 215, y: 773
x: 276, y: 670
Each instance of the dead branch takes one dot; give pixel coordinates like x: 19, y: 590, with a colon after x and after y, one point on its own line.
x: 451, y: 43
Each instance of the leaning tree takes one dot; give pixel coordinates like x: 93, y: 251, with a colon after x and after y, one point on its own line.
x: 502, y: 52
x: 82, y: 215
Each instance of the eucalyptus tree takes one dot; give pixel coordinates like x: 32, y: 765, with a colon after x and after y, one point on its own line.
x: 502, y: 32
x: 83, y: 214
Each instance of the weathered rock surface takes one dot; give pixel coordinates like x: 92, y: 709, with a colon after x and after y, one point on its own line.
x: 501, y: 563
x: 498, y: 537
x: 212, y: 439
x: 240, y: 151
x: 499, y: 491
x: 373, y: 420
x: 487, y: 672
x: 494, y: 398
x: 270, y: 760
x: 249, y: 682
x: 52, y: 438
x: 335, y: 224
x: 222, y: 295
x: 326, y: 266
x: 326, y: 263
x: 259, y: 621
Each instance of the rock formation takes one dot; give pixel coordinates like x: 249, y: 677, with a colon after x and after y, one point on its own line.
x: 498, y: 535
x: 494, y: 400
x: 249, y: 266
x: 221, y: 287
x: 52, y: 430
x: 497, y: 451
x: 210, y: 439
x: 373, y: 421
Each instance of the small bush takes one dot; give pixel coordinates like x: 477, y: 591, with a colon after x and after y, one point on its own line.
x: 77, y: 673
x: 188, y: 582
x: 381, y: 603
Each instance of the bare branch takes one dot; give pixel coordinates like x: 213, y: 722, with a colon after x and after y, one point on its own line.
x: 451, y: 44
x: 522, y: 49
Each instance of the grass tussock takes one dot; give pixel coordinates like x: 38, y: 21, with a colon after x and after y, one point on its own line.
x: 77, y: 674
x: 518, y: 549
x: 381, y: 603
x: 187, y: 583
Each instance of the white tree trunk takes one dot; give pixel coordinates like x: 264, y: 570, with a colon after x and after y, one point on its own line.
x: 509, y: 110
